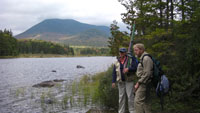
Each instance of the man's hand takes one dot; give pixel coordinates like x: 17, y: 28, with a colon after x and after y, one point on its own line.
x: 136, y: 86
x: 113, y: 85
x: 125, y: 70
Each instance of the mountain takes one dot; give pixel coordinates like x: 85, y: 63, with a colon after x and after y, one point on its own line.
x: 68, y: 31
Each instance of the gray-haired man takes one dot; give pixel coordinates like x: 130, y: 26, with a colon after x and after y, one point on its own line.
x: 142, y: 87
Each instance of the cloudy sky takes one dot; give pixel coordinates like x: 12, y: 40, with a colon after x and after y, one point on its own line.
x: 20, y: 15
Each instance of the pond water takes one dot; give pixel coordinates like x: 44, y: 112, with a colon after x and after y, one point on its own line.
x: 17, y: 76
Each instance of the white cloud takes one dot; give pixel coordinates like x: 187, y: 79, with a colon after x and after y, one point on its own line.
x: 20, y: 15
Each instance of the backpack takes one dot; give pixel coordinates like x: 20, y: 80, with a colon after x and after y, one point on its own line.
x: 159, y: 80
x: 157, y: 70
x: 162, y: 89
x: 163, y: 86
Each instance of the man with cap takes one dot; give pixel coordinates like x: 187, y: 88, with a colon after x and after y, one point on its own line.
x: 124, y: 78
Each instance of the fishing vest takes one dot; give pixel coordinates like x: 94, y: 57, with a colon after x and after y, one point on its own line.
x: 128, y: 76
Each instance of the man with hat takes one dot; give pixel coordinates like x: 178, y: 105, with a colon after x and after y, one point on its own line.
x: 124, y: 78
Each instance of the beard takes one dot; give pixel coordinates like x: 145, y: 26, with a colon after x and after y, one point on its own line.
x: 138, y: 56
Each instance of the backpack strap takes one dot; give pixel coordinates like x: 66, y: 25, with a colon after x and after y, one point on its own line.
x: 143, y: 58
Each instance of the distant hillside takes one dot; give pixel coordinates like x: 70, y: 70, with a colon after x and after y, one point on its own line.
x: 68, y: 31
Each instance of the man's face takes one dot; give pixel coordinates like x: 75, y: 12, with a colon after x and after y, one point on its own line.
x: 122, y: 54
x: 137, y: 52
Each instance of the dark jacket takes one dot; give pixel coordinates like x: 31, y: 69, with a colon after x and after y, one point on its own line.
x: 132, y: 69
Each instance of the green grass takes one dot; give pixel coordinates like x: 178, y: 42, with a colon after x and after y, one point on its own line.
x: 98, y: 89
x: 20, y: 92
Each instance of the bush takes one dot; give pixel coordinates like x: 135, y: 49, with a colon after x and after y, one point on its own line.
x: 108, y: 96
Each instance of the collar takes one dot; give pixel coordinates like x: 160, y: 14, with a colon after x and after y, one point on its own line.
x: 144, y: 53
x: 124, y: 59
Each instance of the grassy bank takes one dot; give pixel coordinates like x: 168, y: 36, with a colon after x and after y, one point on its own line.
x: 98, y: 88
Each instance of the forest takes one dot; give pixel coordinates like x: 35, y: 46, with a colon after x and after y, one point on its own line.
x: 44, y: 47
x: 10, y: 46
x: 170, y: 31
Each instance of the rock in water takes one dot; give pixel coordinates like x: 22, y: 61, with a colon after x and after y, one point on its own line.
x: 45, y: 84
x: 49, y: 83
x: 59, y: 80
x: 79, y: 66
x: 53, y: 71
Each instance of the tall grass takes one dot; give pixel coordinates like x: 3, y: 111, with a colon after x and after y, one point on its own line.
x: 96, y: 89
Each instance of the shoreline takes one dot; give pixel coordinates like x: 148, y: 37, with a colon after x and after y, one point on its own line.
x: 46, y: 56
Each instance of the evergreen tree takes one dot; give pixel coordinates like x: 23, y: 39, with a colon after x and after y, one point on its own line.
x: 116, y: 39
x: 8, y: 44
x: 170, y: 31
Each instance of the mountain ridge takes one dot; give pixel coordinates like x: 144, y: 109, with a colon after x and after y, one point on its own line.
x: 66, y: 31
